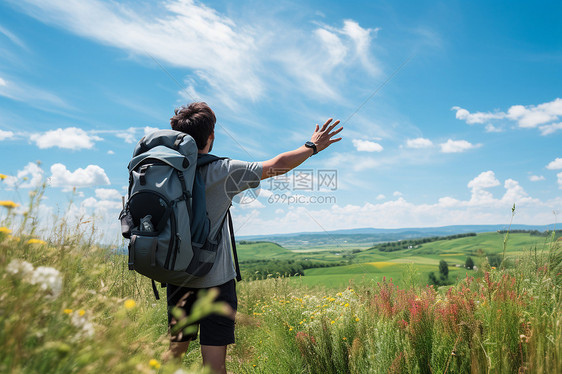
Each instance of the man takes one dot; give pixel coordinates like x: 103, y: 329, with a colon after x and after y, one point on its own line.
x: 223, y: 179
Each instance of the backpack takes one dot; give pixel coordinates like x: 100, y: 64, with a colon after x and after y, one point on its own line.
x: 165, y: 216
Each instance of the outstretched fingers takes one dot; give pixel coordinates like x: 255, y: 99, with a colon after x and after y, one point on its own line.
x: 326, y: 124
x: 335, y: 132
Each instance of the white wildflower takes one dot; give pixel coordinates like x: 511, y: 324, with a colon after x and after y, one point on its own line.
x: 20, y: 267
x: 48, y: 279
x: 81, y: 322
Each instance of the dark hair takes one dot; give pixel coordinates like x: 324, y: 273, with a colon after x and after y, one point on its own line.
x: 197, y: 120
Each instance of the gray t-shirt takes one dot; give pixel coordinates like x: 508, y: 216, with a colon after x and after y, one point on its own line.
x: 223, y: 180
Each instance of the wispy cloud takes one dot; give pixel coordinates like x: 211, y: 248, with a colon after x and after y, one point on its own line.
x: 230, y: 59
x: 12, y: 37
x: 34, y: 96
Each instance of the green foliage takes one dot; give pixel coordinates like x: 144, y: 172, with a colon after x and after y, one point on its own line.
x: 411, y: 243
x: 469, y: 264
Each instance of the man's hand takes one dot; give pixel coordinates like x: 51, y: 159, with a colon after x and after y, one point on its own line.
x: 284, y: 162
x: 322, y: 137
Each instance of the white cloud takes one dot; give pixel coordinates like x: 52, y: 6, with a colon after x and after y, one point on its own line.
x: 456, y: 146
x: 107, y: 194
x: 92, y: 175
x: 351, y: 161
x: 550, y: 129
x: 69, y: 138
x: 529, y: 116
x: 380, y: 197
x: 6, y: 135
x: 147, y: 130
x: 101, y: 205
x: 110, y: 152
x: 2, y: 82
x: 180, y: 33
x: 419, y: 143
x: 559, y: 175
x: 555, y: 165
x: 536, y: 178
x: 478, y: 117
x: 397, y: 194
x: 31, y: 176
x: 479, y: 209
x: 366, y: 146
x: 129, y: 135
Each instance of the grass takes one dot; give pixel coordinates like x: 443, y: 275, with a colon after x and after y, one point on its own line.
x: 69, y: 305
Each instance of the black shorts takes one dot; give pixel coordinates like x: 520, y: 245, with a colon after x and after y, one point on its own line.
x: 216, y: 329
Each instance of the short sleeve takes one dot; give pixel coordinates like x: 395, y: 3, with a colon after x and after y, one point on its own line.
x: 242, y: 175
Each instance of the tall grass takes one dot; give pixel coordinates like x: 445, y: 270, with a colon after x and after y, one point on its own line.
x: 69, y: 305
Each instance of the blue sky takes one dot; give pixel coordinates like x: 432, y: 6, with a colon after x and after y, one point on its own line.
x: 470, y: 125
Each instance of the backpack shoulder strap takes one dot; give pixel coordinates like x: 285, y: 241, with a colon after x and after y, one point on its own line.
x: 205, y: 159
x: 233, y: 241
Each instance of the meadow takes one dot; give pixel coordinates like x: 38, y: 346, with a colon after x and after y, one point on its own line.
x: 70, y: 305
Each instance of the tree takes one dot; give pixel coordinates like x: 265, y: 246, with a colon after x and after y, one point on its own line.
x: 444, y: 269
x: 469, y: 264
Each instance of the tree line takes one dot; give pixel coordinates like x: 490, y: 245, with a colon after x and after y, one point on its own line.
x: 405, y: 244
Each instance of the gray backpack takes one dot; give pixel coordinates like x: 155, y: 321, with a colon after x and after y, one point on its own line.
x: 165, y: 216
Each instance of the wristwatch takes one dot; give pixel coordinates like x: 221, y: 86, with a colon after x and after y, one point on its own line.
x: 310, y: 144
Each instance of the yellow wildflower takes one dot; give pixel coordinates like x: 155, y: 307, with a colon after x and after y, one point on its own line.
x: 130, y: 304
x: 5, y: 230
x: 154, y: 364
x: 493, y: 268
x: 344, y: 338
x: 81, y: 312
x: 8, y: 204
x: 346, y: 305
x: 35, y: 241
x: 290, y: 329
x: 333, y: 322
x: 254, y: 365
x: 331, y: 299
x: 3, y: 176
x: 356, y: 319
x: 67, y: 311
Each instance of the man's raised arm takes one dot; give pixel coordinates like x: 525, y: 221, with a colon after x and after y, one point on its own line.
x: 282, y: 163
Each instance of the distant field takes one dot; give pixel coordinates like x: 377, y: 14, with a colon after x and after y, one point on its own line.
x: 372, y: 265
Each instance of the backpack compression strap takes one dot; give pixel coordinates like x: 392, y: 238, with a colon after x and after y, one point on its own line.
x: 233, y: 241
x: 202, y: 160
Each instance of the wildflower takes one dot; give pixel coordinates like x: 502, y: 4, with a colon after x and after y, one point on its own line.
x: 67, y: 311
x: 356, y: 319
x: 35, y: 241
x: 20, y: 267
x: 332, y: 322
x: 8, y: 204
x: 346, y: 305
x: 3, y: 176
x: 154, y: 364
x: 344, y: 338
x: 5, y: 230
x: 130, y: 304
x: 290, y: 329
x: 81, y: 312
x: 48, y: 279
x: 493, y: 268
x: 254, y: 365
x: 86, y: 328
